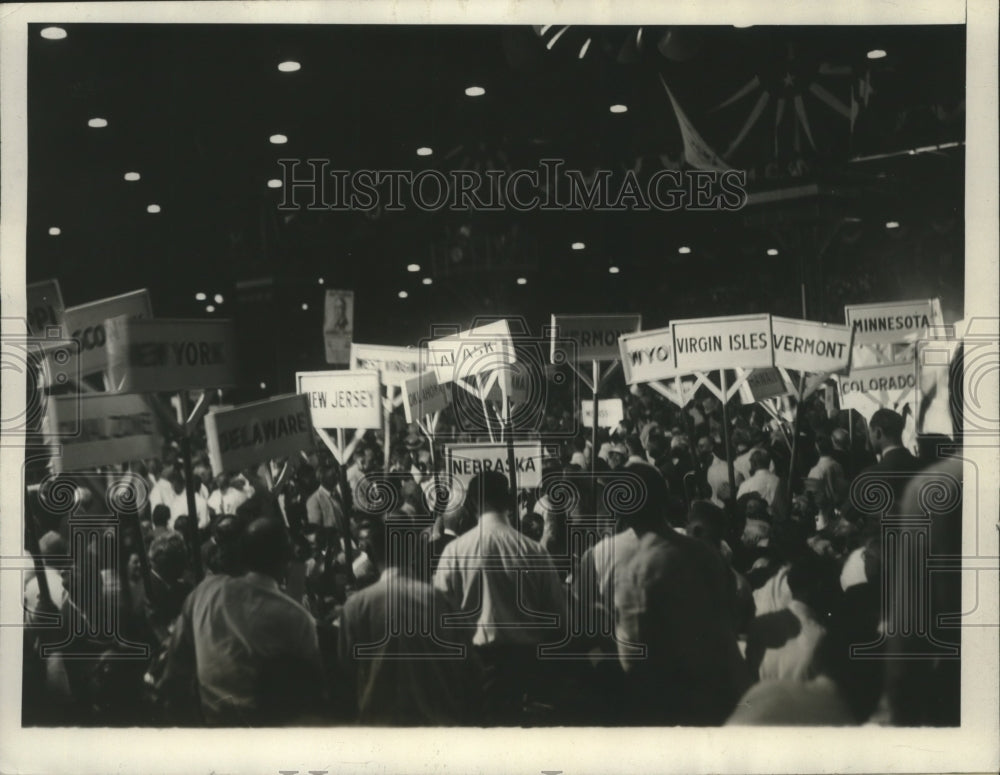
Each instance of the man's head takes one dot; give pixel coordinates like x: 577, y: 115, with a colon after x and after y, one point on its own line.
x: 741, y: 441
x: 328, y: 478
x: 177, y: 481
x: 222, y: 482
x: 706, y: 449
x: 760, y: 460
x: 266, y: 547
x: 707, y: 522
x: 161, y: 515
x: 488, y: 492
x: 634, y: 445
x: 650, y: 511
x: 617, y: 454
x: 824, y: 445
x: 841, y: 439
x: 885, y: 430
x: 168, y: 556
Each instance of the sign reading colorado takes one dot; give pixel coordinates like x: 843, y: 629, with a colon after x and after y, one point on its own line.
x: 707, y: 344
x: 804, y: 345
x: 253, y: 433
x: 648, y: 356
x: 888, y: 322
x: 883, y: 385
x: 342, y: 399
x: 595, y: 336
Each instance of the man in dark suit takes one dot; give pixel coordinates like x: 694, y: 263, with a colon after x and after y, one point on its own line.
x: 894, y: 469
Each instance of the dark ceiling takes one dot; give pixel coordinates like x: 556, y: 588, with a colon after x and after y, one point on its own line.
x: 191, y: 107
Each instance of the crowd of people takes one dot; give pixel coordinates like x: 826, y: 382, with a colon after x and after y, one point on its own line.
x: 748, y: 587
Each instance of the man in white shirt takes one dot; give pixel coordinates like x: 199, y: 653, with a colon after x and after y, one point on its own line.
x: 762, y: 481
x: 230, y: 494
x: 177, y: 502
x: 716, y: 471
x: 509, y: 593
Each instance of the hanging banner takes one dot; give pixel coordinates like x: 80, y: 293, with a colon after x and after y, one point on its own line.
x: 257, y: 432
x: 147, y: 355
x: 609, y: 413
x: 709, y: 344
x: 886, y: 386
x: 45, y: 306
x: 595, y: 336
x: 98, y: 429
x: 424, y: 395
x: 647, y: 356
x: 85, y: 324
x: 466, y: 460
x: 888, y: 322
x: 804, y: 345
x: 395, y: 364
x: 471, y: 352
x: 764, y: 383
x: 338, y: 326
x: 342, y: 399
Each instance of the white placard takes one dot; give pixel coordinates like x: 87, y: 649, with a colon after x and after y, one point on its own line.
x: 467, y: 460
x: 254, y: 433
x: 648, y: 356
x: 98, y: 429
x: 805, y: 345
x: 595, y: 336
x: 897, y: 321
x: 424, y: 395
x: 85, y: 323
x: 885, y: 386
x: 609, y: 413
x: 471, y: 352
x: 764, y: 383
x: 709, y: 344
x: 395, y: 364
x: 342, y: 399
x: 150, y: 355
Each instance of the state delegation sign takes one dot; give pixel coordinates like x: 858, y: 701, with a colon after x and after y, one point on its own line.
x: 882, y: 385
x: 254, y: 433
x: 342, y: 399
x: 395, y: 364
x: 45, y: 306
x: 648, y: 356
x: 590, y: 337
x: 888, y: 322
x: 85, y: 323
x: 609, y: 413
x: 152, y: 355
x: 804, y: 345
x: 471, y: 352
x: 99, y: 429
x: 710, y: 344
x: 763, y: 383
x: 424, y: 395
x: 467, y: 460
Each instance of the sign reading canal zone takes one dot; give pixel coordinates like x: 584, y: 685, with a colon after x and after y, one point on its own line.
x: 99, y: 429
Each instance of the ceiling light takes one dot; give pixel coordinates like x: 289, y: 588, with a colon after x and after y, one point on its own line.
x: 53, y: 33
x: 54, y: 231
x: 304, y: 306
x: 475, y: 91
x: 153, y: 209
x: 278, y: 139
x: 200, y: 297
x: 424, y: 151
x: 289, y: 66
x: 522, y: 281
x: 618, y: 108
x: 274, y: 183
x: 772, y: 251
x: 892, y: 224
x: 413, y: 267
x: 263, y: 386
x: 427, y: 281
x: 131, y: 177
x: 584, y: 47
x: 97, y: 123
x: 218, y: 298
x: 578, y: 246
x: 321, y: 281
x: 403, y: 294
x: 613, y: 270
x: 210, y: 308
x: 876, y: 53
x: 683, y: 250
x: 742, y: 26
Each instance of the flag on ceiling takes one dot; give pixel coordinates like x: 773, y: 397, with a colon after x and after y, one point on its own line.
x: 697, y: 153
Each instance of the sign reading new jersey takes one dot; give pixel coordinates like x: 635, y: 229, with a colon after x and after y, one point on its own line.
x: 467, y: 460
x: 98, y: 429
x: 883, y: 385
x: 595, y: 336
x: 887, y: 322
x: 471, y: 352
x: 609, y: 413
x: 342, y: 399
x: 85, y: 323
x: 763, y: 383
x: 648, y: 356
x: 253, y: 433
x: 146, y: 355
x: 396, y: 364
x: 424, y: 395
x: 807, y: 346
x: 45, y: 306
x: 707, y: 344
